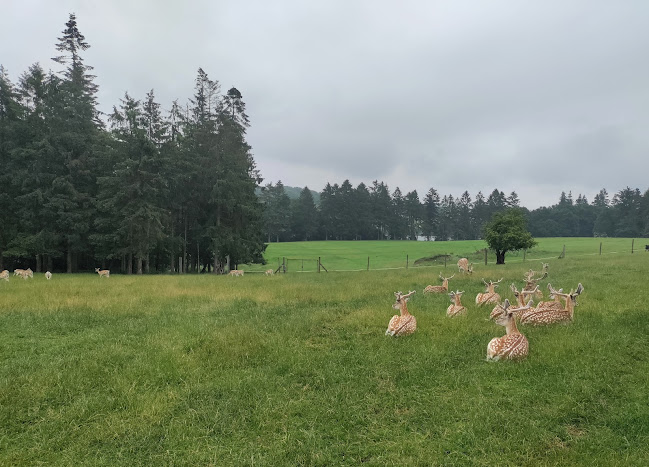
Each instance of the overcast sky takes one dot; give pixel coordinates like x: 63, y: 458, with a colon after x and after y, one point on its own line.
x: 533, y: 97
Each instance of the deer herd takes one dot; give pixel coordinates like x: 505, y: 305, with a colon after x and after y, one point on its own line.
x: 513, y: 345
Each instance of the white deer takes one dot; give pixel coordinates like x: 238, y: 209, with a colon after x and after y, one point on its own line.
x: 103, y: 272
x: 456, y: 308
x: 404, y: 323
x: 270, y: 272
x: 439, y: 288
x: 464, y: 266
x: 48, y: 275
x: 513, y: 345
x: 490, y: 295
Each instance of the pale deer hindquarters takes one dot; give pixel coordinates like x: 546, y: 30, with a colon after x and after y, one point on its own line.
x: 456, y: 308
x: 48, y: 275
x: 404, y: 323
x: 4, y: 275
x: 439, y: 288
x: 513, y: 345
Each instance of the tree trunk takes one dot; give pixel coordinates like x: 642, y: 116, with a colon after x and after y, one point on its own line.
x: 49, y: 263
x: 139, y: 265
x: 500, y: 256
x: 38, y: 263
x: 147, y: 268
x: 2, y: 264
x: 129, y: 264
x: 68, y: 260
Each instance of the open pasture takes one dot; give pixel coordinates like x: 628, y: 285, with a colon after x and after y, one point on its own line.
x: 295, y: 369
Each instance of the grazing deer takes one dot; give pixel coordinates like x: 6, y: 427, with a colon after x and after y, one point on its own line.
x: 270, y: 272
x: 456, y: 308
x: 513, y: 345
x: 464, y: 266
x: 4, y: 275
x: 439, y: 288
x: 405, y: 323
x: 490, y: 296
x: 48, y: 275
x: 546, y: 316
x: 103, y: 272
x: 236, y: 272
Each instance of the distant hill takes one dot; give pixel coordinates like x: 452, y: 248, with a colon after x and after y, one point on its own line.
x: 293, y: 192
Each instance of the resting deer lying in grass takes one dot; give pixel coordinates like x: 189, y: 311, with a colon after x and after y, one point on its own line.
x: 531, y: 281
x: 456, y: 308
x: 270, y: 272
x: 103, y: 272
x: 4, y: 275
x: 554, y: 303
x: 236, y: 272
x: 523, y: 296
x: 490, y: 296
x: 439, y: 288
x: 405, y: 323
x: 464, y: 266
x: 513, y: 345
x: 544, y: 316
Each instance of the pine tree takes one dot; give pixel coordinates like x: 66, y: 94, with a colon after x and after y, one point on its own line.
x: 431, y: 214
x: 304, y: 216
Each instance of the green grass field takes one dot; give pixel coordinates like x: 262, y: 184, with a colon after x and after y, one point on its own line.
x: 295, y: 369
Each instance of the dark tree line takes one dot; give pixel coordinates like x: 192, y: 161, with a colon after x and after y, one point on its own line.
x: 146, y: 189
x: 366, y: 213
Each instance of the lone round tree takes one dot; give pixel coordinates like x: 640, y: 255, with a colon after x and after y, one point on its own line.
x: 507, y: 231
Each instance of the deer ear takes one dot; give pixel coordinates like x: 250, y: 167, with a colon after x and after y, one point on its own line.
x: 506, y: 304
x: 580, y: 289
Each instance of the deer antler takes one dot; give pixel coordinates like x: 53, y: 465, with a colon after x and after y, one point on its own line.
x: 485, y: 282
x: 529, y: 292
x: 407, y: 296
x: 506, y: 304
x: 498, y: 282
x: 513, y: 288
x: 528, y: 275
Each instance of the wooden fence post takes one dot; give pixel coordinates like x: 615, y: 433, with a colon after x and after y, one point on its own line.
x: 368, y: 263
x: 563, y: 253
x: 445, y: 256
x: 524, y: 252
x: 284, y: 264
x: 485, y: 256
x: 407, y: 261
x: 600, y: 248
x: 632, y: 241
x: 318, y: 264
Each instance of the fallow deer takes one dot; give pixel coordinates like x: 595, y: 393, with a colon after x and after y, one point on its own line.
x: 546, y: 316
x: 19, y: 272
x: 456, y: 308
x: 4, y: 275
x: 270, y: 272
x: 554, y: 304
x: 522, y: 296
x: 513, y: 345
x: 464, y: 266
x: 531, y: 281
x: 490, y: 296
x: 103, y: 272
x: 439, y: 288
x: 236, y: 272
x: 48, y: 275
x: 405, y: 323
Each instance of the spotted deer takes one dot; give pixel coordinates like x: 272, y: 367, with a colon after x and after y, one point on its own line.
x: 404, y: 323
x: 103, y: 272
x: 513, y: 345
x: 270, y: 272
x: 531, y: 281
x: 554, y: 303
x: 523, y: 296
x: 490, y: 296
x: 464, y: 266
x: 456, y: 308
x: 4, y: 275
x: 236, y: 272
x: 545, y: 316
x: 439, y: 288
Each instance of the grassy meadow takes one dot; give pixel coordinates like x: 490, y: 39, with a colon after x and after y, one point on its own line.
x: 295, y: 369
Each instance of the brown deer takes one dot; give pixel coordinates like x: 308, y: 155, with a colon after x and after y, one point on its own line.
x: 236, y: 272
x: 464, y: 266
x: 405, y: 323
x: 522, y: 296
x: 545, y: 316
x: 103, y: 272
x: 456, y: 308
x: 490, y: 296
x: 513, y: 345
x: 270, y: 272
x: 439, y: 288
x: 4, y: 275
x: 531, y: 281
x: 554, y: 304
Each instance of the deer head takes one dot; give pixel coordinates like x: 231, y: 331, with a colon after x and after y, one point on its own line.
x: 504, y: 315
x: 455, y: 296
x: 401, y: 299
x: 445, y: 279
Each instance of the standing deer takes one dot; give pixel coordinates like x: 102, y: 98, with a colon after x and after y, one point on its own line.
x: 439, y: 288
x: 270, y: 272
x: 48, y: 275
x: 456, y: 308
x: 544, y: 316
x: 18, y: 272
x: 513, y: 345
x: 103, y: 272
x: 464, y: 266
x: 405, y: 323
x: 236, y: 272
x: 490, y: 295
x: 4, y: 275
